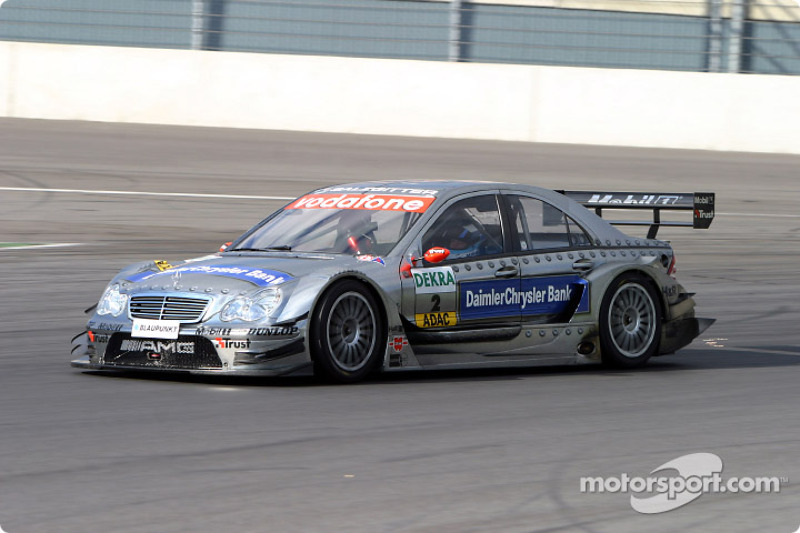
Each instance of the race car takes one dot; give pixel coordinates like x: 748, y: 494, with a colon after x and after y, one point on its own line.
x: 350, y: 280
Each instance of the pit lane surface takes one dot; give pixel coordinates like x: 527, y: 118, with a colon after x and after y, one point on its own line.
x: 437, y: 451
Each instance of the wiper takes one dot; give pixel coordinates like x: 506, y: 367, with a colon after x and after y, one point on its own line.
x: 280, y: 247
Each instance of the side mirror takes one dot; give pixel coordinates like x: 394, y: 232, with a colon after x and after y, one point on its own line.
x: 436, y: 255
x: 225, y: 246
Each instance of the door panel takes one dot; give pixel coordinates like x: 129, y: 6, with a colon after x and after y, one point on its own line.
x: 476, y: 287
x: 550, y: 244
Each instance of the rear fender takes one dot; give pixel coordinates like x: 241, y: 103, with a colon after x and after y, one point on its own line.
x: 647, y: 266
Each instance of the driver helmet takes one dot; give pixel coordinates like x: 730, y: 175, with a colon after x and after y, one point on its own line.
x: 462, y: 237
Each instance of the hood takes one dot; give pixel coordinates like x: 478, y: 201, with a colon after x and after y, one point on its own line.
x: 237, y: 272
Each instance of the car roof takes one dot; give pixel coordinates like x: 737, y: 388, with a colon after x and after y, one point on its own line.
x: 445, y: 189
x: 428, y: 187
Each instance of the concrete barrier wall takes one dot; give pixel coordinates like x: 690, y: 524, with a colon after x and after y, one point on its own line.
x: 398, y: 97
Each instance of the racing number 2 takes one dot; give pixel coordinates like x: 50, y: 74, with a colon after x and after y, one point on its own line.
x: 436, y: 300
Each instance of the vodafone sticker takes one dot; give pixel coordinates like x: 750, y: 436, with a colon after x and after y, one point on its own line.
x: 371, y: 202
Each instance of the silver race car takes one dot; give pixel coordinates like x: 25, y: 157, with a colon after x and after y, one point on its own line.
x: 350, y: 280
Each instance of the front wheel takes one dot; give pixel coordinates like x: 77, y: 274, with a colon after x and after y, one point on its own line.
x: 630, y: 322
x: 346, y: 334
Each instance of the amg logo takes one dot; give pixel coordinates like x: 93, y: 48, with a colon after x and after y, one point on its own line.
x: 636, y: 199
x: 161, y: 347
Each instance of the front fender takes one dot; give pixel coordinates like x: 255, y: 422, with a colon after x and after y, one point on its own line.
x: 308, y: 293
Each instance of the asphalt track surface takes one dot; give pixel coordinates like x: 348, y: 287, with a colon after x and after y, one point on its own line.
x: 499, y: 451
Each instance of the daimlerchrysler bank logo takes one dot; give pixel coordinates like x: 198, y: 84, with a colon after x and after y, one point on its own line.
x: 663, y: 490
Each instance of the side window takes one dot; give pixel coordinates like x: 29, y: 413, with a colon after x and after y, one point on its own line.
x: 541, y: 226
x: 468, y: 228
x: 577, y: 236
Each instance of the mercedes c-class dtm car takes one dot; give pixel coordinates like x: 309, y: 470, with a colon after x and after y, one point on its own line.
x: 354, y: 279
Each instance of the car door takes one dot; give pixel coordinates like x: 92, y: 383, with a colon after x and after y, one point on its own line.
x: 553, y: 251
x: 471, y: 295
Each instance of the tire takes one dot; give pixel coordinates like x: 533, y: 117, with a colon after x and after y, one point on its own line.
x: 348, y: 334
x: 630, y: 322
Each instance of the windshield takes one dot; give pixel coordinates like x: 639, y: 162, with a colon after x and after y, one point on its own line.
x: 345, y: 224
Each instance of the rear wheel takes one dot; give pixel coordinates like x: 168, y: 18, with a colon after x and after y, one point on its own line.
x: 630, y: 322
x: 347, y: 333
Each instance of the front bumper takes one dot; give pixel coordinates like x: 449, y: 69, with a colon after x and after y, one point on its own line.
x: 294, y: 368
x: 199, y: 349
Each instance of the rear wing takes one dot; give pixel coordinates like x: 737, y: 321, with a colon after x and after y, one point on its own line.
x: 700, y: 203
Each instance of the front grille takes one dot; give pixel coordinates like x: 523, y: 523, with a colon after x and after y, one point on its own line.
x: 187, y: 352
x: 168, y: 308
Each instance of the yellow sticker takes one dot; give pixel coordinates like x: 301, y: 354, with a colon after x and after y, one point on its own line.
x: 162, y: 265
x: 436, y: 320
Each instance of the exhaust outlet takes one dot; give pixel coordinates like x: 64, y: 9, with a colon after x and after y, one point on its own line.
x: 585, y: 348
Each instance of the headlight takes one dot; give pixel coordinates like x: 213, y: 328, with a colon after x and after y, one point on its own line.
x: 112, y: 302
x: 251, y: 309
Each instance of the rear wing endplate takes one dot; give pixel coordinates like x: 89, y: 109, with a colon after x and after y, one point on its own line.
x: 700, y: 203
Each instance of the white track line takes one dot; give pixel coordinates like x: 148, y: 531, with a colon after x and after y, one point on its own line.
x: 757, y: 350
x: 282, y: 198
x: 146, y: 193
x: 771, y: 215
x: 29, y: 246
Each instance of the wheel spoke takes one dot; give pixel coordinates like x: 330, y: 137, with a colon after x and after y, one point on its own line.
x: 362, y: 343
x: 350, y: 354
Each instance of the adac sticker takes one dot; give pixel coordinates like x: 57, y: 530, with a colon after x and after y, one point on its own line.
x: 436, y: 320
x: 258, y: 276
x: 435, y: 279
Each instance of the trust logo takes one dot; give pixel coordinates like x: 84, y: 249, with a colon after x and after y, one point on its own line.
x: 230, y: 343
